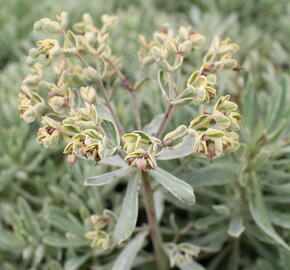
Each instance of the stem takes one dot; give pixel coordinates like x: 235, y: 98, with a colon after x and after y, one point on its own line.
x: 108, y: 103
x: 126, y: 83
x: 156, y: 238
x: 136, y: 110
x: 170, y: 107
x: 165, y: 119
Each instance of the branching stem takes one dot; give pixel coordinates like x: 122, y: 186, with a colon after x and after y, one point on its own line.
x: 165, y: 119
x: 112, y: 111
x: 126, y: 83
x: 156, y: 238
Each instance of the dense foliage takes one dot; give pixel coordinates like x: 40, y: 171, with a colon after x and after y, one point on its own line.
x: 240, y: 218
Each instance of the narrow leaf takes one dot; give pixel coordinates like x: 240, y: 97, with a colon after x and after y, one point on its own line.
x: 56, y: 240
x: 115, y: 160
x: 260, y: 216
x: 75, y: 262
x: 11, y: 241
x: 106, y: 178
x: 175, y: 186
x: 58, y: 218
x: 193, y: 265
x: 236, y: 226
x: 128, y: 217
x: 126, y: 258
x: 280, y: 219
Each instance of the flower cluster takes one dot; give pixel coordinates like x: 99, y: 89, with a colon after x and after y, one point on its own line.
x: 101, y: 239
x: 215, y: 132
x: 169, y: 50
x: 67, y: 90
x: 201, y: 84
x: 182, y: 253
x: 140, y: 149
x: 59, y: 88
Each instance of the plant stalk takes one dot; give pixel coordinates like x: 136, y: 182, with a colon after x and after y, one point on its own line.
x: 160, y: 256
x: 126, y: 83
x: 165, y: 119
x: 108, y: 103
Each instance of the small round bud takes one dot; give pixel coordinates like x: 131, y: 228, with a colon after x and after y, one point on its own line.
x: 89, y: 94
x: 29, y: 115
x: 33, y: 53
x: 71, y: 159
x: 186, y: 47
x: 141, y: 163
x: 57, y: 103
x: 197, y: 40
x: 37, y: 26
x: 51, y: 27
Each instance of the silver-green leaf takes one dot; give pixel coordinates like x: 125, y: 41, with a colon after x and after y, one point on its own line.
x: 128, y: 217
x: 107, y: 178
x: 236, y: 227
x: 259, y: 213
x: 126, y: 258
x: 175, y: 186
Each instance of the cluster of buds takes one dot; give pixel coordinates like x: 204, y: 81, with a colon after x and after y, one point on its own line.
x: 201, y: 83
x: 200, y: 88
x: 32, y: 105
x: 59, y: 88
x: 169, y: 50
x: 182, y: 253
x: 49, y: 133
x: 101, y: 239
x: 140, y: 149
x: 220, y: 56
x: 68, y: 71
x: 215, y: 132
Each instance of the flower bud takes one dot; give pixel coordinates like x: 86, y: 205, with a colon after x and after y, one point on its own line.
x: 229, y: 63
x: 63, y: 19
x: 156, y: 52
x: 197, y: 40
x: 71, y: 159
x: 53, y: 139
x: 184, y: 32
x: 31, y: 80
x: 170, y: 47
x: 37, y: 25
x: 50, y: 26
x: 33, y: 53
x: 28, y: 115
x: 141, y: 163
x: 38, y: 108
x: 185, y: 47
x: 88, y: 94
x: 91, y: 74
x: 57, y: 103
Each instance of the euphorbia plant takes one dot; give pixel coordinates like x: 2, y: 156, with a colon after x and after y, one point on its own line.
x: 69, y: 87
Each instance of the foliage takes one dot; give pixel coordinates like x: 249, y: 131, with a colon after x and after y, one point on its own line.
x: 239, y: 220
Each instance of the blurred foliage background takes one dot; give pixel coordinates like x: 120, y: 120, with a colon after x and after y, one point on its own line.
x: 44, y: 205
